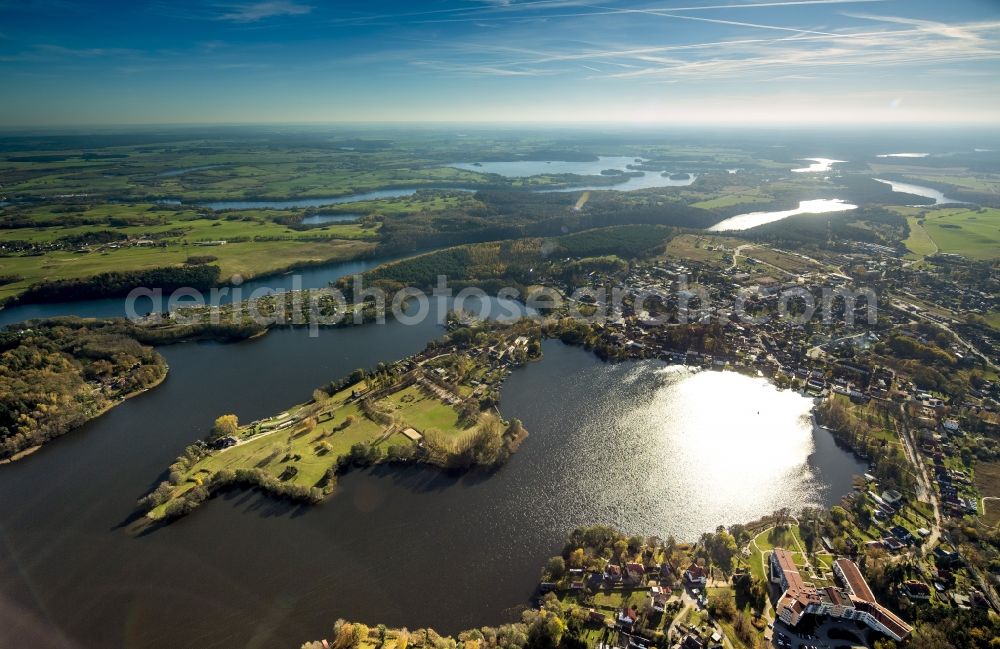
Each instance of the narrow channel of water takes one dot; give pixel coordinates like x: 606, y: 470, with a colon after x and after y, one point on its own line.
x: 317, y: 276
x: 754, y: 219
x: 919, y: 190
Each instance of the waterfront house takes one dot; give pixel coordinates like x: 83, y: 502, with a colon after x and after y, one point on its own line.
x: 635, y: 571
x: 853, y: 601
x: 696, y: 575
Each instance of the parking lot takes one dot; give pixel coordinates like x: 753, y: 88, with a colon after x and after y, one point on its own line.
x: 844, y: 636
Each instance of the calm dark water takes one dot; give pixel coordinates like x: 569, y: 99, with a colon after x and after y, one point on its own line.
x: 407, y: 547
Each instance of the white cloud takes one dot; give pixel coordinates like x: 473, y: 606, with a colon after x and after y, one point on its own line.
x: 253, y: 12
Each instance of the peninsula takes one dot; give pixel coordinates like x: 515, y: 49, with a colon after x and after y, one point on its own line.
x: 437, y: 407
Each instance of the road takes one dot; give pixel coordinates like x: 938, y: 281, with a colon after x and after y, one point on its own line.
x: 984, y: 499
x: 736, y: 253
x: 689, y: 603
x: 924, y: 484
x: 925, y: 488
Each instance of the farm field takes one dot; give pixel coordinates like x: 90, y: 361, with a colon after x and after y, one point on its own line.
x: 972, y: 233
x: 919, y: 243
x: 248, y: 259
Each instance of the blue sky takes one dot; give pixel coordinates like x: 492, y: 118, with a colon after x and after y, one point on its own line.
x: 563, y: 61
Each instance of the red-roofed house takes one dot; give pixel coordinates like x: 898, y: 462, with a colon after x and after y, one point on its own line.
x: 855, y: 601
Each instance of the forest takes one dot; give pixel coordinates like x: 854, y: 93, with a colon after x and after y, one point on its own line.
x: 55, y: 375
x: 119, y: 283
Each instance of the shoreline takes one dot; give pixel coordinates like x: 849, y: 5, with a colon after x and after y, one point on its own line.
x: 14, y: 301
x: 20, y: 455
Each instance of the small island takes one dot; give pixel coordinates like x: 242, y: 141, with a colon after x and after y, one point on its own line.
x: 437, y: 407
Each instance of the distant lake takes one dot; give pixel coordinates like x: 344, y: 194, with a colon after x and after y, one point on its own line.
x: 319, y: 219
x: 818, y: 165
x: 650, y: 180
x: 903, y: 155
x: 181, y: 172
x: 753, y: 219
x: 317, y: 202
x: 528, y: 168
x: 918, y: 190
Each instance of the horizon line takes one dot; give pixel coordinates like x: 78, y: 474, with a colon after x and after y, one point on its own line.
x: 556, y: 124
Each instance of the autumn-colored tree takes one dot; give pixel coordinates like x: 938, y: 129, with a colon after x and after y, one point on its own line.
x: 556, y: 567
x: 344, y: 638
x: 225, y: 426
x: 361, y: 632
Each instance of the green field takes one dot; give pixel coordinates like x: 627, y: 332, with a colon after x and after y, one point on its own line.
x: 312, y: 452
x: 747, y: 197
x: 964, y: 179
x: 919, y: 242
x: 420, y: 410
x: 64, y: 241
x: 248, y: 172
x: 972, y: 233
x: 247, y: 259
x: 194, y: 230
x: 311, y: 437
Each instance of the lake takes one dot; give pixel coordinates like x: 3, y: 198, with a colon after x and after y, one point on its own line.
x: 753, y: 219
x: 649, y: 180
x: 642, y: 445
x: 818, y: 165
x: 918, y: 190
x: 528, y: 168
